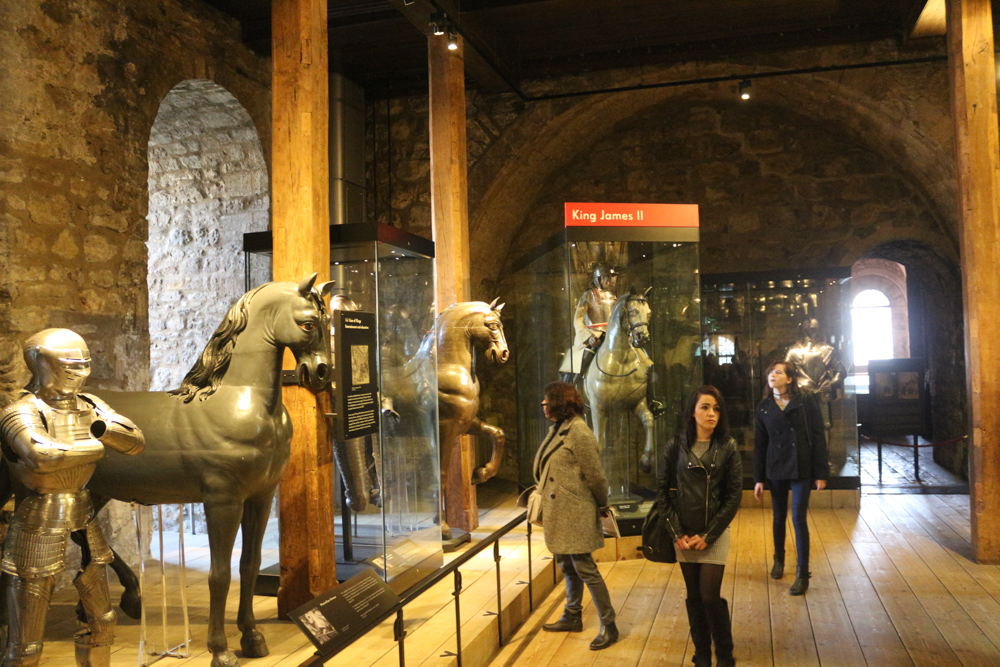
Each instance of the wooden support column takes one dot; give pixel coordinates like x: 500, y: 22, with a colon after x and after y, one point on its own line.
x: 974, y: 104
x: 300, y: 188
x: 450, y: 225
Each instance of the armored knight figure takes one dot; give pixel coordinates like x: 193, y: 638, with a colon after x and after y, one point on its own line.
x: 590, y: 322
x: 820, y: 369
x: 52, y: 436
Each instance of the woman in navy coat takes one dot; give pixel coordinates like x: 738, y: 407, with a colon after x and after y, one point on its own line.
x: 790, y: 452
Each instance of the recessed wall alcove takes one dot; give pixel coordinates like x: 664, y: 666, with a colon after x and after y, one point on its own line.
x: 208, y: 186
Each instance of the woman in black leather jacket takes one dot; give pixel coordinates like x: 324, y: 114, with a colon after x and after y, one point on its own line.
x: 790, y: 452
x: 699, y: 487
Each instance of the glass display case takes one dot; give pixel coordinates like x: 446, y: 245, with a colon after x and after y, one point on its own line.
x: 752, y: 319
x: 384, y: 276
x: 638, y: 286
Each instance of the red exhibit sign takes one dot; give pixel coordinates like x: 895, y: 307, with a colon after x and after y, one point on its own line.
x: 589, y: 214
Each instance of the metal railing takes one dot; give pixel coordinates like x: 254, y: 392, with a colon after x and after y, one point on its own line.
x: 415, y: 591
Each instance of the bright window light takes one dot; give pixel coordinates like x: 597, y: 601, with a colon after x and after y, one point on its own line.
x: 871, y: 319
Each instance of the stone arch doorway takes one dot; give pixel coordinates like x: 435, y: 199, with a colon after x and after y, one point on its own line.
x: 208, y: 185
x: 937, y: 333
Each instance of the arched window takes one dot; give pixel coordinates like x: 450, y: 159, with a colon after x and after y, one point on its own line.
x: 871, y: 317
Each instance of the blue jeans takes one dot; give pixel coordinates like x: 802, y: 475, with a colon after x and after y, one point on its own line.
x: 800, y: 489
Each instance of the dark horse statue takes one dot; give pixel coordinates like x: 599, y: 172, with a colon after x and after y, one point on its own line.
x: 223, y: 438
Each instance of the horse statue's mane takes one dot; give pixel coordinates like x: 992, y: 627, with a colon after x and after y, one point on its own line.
x: 205, y: 376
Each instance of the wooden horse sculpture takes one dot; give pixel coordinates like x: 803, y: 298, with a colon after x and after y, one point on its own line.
x: 617, y: 380
x: 223, y: 437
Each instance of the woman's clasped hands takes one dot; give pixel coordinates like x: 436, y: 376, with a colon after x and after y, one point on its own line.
x: 696, y: 542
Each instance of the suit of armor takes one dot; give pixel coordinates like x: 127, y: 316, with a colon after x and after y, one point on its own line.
x: 819, y: 365
x: 51, y: 437
x: 590, y: 322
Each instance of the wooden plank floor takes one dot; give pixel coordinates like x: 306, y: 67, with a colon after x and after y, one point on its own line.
x: 429, y: 621
x: 892, y: 585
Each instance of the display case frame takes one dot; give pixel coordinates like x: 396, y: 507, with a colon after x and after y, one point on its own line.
x: 388, y: 273
x: 758, y: 315
x: 548, y: 281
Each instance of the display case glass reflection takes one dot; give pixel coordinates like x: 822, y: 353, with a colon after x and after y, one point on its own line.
x: 752, y: 319
x: 639, y: 290
x: 393, y: 476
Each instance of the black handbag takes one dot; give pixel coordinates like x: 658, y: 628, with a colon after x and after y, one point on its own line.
x: 657, y: 540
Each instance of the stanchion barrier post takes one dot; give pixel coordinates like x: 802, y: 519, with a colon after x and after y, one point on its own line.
x: 399, y: 634
x: 458, y: 617
x: 496, y: 560
x: 531, y: 578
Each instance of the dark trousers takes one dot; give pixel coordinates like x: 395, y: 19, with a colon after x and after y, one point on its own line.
x: 800, y: 489
x: 580, y: 569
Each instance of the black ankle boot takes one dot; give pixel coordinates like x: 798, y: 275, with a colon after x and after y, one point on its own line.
x: 568, y: 623
x: 778, y: 569
x: 722, y: 632
x: 701, y: 633
x: 605, y: 638
x: 801, y: 584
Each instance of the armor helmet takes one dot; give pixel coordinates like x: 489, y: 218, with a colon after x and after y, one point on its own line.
x: 605, y: 277
x: 810, y: 327
x: 59, y: 362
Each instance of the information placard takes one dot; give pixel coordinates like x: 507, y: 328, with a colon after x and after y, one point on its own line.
x: 354, y: 345
x: 342, y: 614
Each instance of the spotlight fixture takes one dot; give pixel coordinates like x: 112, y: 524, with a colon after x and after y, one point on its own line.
x: 745, y: 86
x: 452, y: 40
x: 438, y: 23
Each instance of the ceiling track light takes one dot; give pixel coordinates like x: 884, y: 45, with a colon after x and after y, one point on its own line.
x: 452, y: 40
x: 438, y: 23
x: 745, y: 89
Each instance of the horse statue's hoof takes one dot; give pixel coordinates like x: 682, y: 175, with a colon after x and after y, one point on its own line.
x: 254, y: 645
x: 646, y: 463
x: 131, y: 604
x: 445, y: 531
x: 480, y: 475
x: 225, y: 659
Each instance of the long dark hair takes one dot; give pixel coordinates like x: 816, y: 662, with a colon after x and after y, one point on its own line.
x: 721, y: 432
x: 793, y: 378
x: 564, y: 400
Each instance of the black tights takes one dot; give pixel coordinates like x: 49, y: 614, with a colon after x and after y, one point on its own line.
x: 703, y: 581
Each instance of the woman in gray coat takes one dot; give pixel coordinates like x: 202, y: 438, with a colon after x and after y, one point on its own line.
x: 574, y: 489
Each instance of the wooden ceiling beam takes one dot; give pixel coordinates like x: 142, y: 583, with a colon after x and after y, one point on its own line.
x: 485, y: 59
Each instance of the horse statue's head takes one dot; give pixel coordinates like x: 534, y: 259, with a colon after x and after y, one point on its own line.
x: 285, y: 314
x: 489, y: 330
x: 481, y: 324
x: 632, y: 312
x: 305, y: 330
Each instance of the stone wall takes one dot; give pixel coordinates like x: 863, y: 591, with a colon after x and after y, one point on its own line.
x: 83, y: 82
x: 80, y: 87
x: 208, y: 186
x: 816, y: 170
